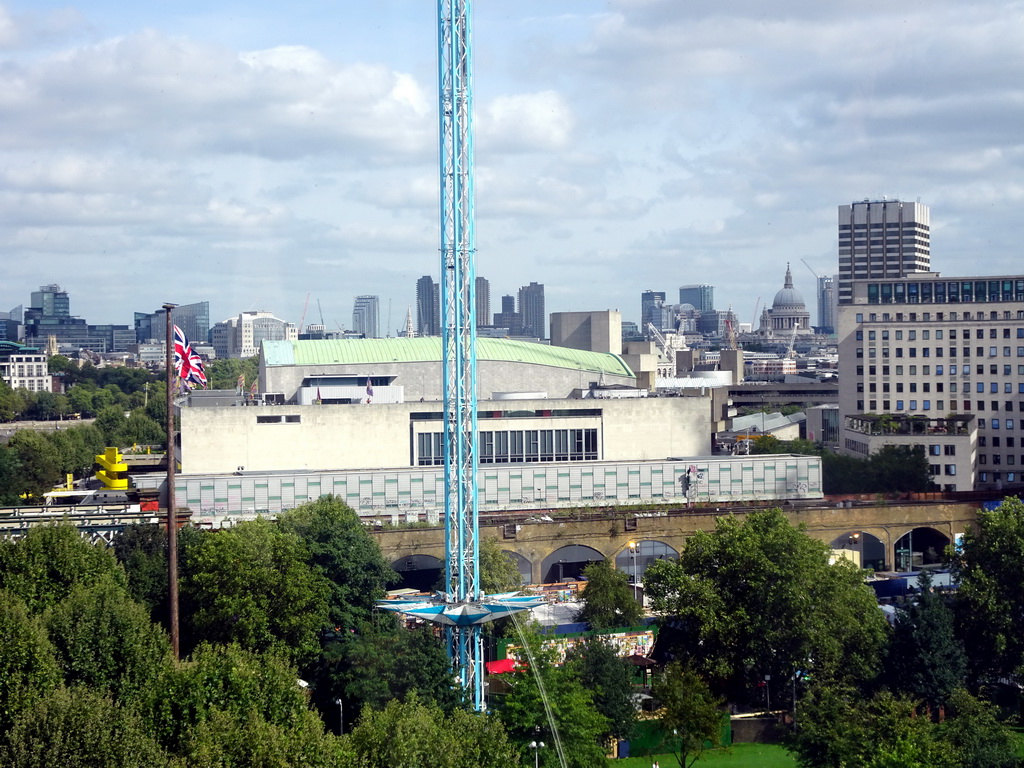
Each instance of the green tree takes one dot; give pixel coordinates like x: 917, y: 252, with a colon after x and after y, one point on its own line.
x: 79, y: 728
x: 142, y: 551
x: 380, y: 661
x: 839, y: 729
x: 608, y: 677
x: 106, y: 641
x: 343, y: 551
x: 415, y: 733
x: 80, y: 400
x: 229, y: 739
x: 223, y: 374
x: 46, y: 564
x: 498, y: 571
x: 59, y: 364
x: 39, y: 462
x: 900, y: 469
x: 10, y: 477
x: 608, y: 600
x: 252, y: 584
x: 974, y: 736
x: 28, y: 669
x: 689, y: 712
x: 990, y: 599
x: 541, y: 694
x: 225, y: 679
x: 11, y: 405
x: 761, y: 598
x: 925, y: 659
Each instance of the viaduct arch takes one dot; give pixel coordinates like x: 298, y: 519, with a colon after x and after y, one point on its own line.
x: 536, y: 544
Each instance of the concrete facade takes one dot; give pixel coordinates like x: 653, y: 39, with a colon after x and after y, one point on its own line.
x: 928, y: 346
x: 323, y: 437
x: 593, y: 331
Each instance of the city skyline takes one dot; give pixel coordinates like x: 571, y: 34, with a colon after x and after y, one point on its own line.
x: 639, y: 145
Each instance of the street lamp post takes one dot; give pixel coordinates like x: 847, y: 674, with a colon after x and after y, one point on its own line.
x: 632, y: 551
x: 341, y: 716
x: 536, y: 746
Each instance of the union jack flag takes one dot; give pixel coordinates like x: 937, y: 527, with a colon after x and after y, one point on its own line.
x: 187, y: 364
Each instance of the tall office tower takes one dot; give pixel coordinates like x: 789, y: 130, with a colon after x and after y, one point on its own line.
x: 650, y: 309
x: 193, y: 319
x: 826, y: 304
x: 882, y: 239
x: 428, y: 307
x: 508, y: 317
x: 701, y: 297
x: 531, y: 308
x: 52, y: 300
x: 366, y: 316
x: 483, y: 301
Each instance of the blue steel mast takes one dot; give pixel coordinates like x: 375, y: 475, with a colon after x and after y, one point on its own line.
x: 460, y: 606
x: 458, y: 330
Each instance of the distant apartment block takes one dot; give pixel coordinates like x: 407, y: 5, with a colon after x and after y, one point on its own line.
x: 366, y: 316
x: 531, y: 310
x: 241, y: 336
x: 23, y: 367
x: 428, y: 307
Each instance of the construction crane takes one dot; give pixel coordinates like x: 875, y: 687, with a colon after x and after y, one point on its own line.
x: 303, y: 318
x: 460, y: 605
x: 661, y: 341
x: 816, y: 277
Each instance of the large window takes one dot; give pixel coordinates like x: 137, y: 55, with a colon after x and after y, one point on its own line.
x: 517, y: 446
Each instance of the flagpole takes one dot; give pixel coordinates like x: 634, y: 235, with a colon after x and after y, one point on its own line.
x: 172, y: 517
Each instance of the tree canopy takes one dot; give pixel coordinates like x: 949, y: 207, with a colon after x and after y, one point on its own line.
x: 252, y: 584
x: 342, y: 551
x: 608, y: 600
x: 990, y: 599
x: 760, y: 598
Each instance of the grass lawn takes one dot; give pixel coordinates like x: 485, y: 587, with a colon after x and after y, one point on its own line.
x: 736, y: 756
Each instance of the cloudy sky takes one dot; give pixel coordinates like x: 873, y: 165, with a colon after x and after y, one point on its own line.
x: 255, y: 154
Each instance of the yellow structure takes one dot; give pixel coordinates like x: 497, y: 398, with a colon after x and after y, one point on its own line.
x: 113, y: 472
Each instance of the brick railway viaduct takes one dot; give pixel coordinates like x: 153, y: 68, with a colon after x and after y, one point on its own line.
x: 539, y: 544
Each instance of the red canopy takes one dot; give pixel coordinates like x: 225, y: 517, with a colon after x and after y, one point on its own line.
x: 500, y: 666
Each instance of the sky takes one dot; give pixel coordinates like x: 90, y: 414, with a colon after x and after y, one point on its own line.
x: 283, y: 156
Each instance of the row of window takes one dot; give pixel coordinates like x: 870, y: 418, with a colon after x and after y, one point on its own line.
x: 517, y: 446
x: 997, y: 477
x: 888, y: 317
x: 927, y: 352
x: 964, y: 370
x: 940, y: 469
x: 911, y: 335
x: 943, y: 292
x: 909, y: 226
x: 940, y: 405
x: 1011, y: 459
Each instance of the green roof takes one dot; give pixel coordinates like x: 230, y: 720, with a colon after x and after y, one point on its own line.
x: 428, y: 349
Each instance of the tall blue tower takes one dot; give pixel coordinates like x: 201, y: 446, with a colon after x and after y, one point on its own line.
x: 458, y: 325
x: 461, y: 605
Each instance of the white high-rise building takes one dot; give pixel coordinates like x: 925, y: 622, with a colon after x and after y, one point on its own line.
x: 241, y: 336
x: 366, y: 316
x: 882, y: 239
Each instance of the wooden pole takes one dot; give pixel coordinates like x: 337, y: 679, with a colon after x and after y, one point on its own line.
x: 172, y: 517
